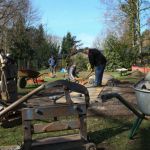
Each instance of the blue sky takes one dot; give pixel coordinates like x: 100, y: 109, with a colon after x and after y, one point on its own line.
x: 83, y: 18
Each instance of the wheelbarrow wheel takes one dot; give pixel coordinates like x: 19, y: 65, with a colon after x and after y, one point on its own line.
x: 22, y: 82
x: 90, y: 146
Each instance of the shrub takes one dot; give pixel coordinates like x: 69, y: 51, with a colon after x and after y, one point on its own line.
x: 118, y: 53
x: 81, y: 62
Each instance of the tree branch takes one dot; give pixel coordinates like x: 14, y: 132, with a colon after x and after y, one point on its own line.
x: 145, y: 8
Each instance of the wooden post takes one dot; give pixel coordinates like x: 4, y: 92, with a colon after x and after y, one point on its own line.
x: 27, y: 135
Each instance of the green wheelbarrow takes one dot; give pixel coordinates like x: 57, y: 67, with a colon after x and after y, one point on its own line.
x: 142, y: 92
x: 26, y: 74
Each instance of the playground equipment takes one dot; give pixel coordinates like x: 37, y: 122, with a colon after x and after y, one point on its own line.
x: 142, y: 91
x: 54, y: 111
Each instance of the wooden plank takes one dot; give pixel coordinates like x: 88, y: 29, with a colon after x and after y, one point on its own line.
x: 83, y: 127
x: 73, y: 145
x: 60, y: 139
x: 42, y: 113
x: 27, y: 135
x: 56, y: 126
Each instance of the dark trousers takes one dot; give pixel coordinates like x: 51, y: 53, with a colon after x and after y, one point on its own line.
x: 52, y: 69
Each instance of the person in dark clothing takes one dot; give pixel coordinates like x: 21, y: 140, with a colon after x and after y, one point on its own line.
x: 98, y: 62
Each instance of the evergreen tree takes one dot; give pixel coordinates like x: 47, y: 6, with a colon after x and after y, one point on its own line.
x: 19, y: 43
x: 69, y: 45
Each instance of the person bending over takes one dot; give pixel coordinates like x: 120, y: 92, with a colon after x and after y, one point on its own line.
x: 98, y: 62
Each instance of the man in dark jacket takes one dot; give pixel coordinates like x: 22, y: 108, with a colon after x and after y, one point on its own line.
x: 98, y: 61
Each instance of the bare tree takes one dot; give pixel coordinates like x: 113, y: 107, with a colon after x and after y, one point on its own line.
x: 128, y: 16
x: 98, y: 42
x: 10, y: 11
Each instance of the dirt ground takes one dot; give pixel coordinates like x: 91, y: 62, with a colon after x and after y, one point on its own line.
x: 113, y: 106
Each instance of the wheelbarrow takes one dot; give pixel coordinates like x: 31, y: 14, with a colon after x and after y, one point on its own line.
x: 142, y: 92
x: 26, y: 74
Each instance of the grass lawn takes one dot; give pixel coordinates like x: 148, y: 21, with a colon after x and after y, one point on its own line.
x: 108, y: 132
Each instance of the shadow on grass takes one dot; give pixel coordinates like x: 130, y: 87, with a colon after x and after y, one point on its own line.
x: 12, y: 123
x: 121, y: 125
x: 104, y: 134
x: 141, y: 139
x: 145, y: 138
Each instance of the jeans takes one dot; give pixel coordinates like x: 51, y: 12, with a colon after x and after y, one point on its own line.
x: 99, y: 70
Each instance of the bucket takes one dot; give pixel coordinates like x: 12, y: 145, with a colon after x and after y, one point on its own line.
x: 143, y: 96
